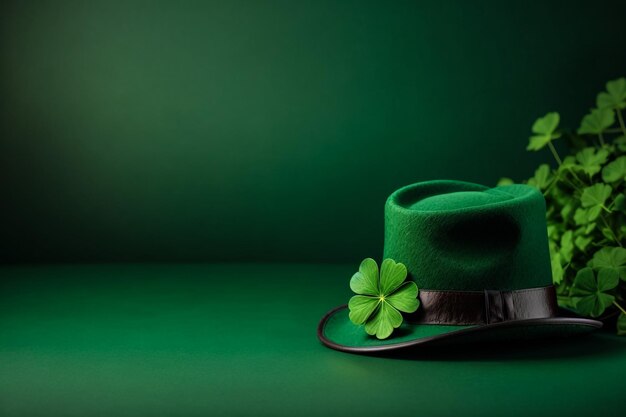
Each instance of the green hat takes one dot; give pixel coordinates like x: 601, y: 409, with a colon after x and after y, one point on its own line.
x: 480, y: 259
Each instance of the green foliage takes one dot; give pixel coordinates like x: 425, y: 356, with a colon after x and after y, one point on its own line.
x: 595, y: 196
x: 615, y: 171
x: 586, y: 206
x: 610, y: 258
x: 591, y: 291
x: 542, y: 177
x: 590, y: 160
x: 381, y: 297
x: 544, y: 131
x: 615, y: 95
x: 597, y: 121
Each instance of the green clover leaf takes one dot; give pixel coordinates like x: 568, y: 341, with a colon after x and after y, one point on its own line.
x: 620, y: 142
x: 366, y: 280
x: 569, y: 163
x: 620, y: 202
x: 582, y: 242
x: 567, y: 246
x: 610, y: 258
x: 615, y: 97
x: 557, y: 268
x: 591, y: 291
x: 567, y: 211
x: 597, y: 121
x: 381, y: 297
x: 591, y: 161
x: 542, y: 177
x: 596, y: 195
x: 615, y: 171
x: 586, y: 216
x: 544, y: 131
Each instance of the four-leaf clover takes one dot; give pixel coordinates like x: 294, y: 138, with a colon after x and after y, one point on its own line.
x: 381, y: 298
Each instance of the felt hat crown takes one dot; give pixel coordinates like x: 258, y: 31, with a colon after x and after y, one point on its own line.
x: 481, y: 261
x: 460, y: 236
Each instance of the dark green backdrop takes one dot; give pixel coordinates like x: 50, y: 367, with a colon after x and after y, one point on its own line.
x: 266, y: 130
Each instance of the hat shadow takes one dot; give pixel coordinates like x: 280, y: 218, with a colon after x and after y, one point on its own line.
x: 599, y: 344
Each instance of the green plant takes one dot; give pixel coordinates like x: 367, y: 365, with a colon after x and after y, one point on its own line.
x: 586, y: 206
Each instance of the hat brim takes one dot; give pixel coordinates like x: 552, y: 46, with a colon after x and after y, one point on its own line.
x: 336, y: 331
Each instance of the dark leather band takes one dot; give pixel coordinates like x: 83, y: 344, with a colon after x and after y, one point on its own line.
x: 484, y: 307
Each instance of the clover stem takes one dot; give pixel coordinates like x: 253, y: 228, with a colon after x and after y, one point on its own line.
x: 552, y: 184
x: 619, y: 306
x: 574, y: 185
x: 602, y: 144
x: 610, y: 229
x: 620, y: 118
x: 577, y: 177
x: 605, y: 208
x: 554, y: 153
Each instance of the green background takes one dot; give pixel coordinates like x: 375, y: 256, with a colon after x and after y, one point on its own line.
x: 265, y: 131
x: 271, y: 130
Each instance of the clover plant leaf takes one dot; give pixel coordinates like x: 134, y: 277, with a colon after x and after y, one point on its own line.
x: 615, y: 170
x: 620, y: 202
x: 590, y: 227
x: 567, y: 211
x: 567, y: 246
x: 381, y: 298
x: 610, y: 258
x: 365, y: 281
x: 591, y: 290
x: 581, y: 216
x: 596, y: 195
x: 361, y: 308
x: 557, y: 268
x: 607, y: 233
x: 505, y: 181
x: 392, y: 274
x: 384, y: 321
x: 569, y: 163
x: 615, y: 97
x: 582, y: 242
x: 405, y: 298
x: 544, y: 131
x: 542, y: 177
x: 620, y: 142
x: 553, y: 232
x: 586, y: 216
x: 597, y: 121
x: 547, y: 124
x: 591, y: 161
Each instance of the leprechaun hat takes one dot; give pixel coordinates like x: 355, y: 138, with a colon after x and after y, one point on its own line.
x: 480, y: 259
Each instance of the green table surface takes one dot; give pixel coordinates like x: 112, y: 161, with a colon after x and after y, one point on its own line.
x: 185, y: 340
